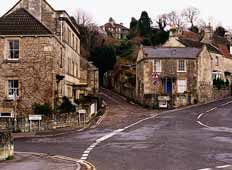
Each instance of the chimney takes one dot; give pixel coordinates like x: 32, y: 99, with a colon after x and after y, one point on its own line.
x: 208, y: 34
x: 34, y: 7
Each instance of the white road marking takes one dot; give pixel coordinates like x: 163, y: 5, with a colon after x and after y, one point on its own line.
x: 206, y: 169
x: 110, y: 135
x: 211, y: 110
x: 226, y: 103
x: 202, y: 124
x: 202, y: 114
x: 223, y: 166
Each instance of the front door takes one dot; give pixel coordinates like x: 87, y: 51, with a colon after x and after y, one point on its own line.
x: 168, y: 86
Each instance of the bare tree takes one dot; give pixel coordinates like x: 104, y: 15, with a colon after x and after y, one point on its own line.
x: 83, y: 18
x: 191, y: 15
x: 173, y: 19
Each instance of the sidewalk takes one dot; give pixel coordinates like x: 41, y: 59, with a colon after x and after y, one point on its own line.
x: 28, y: 161
x: 49, y: 133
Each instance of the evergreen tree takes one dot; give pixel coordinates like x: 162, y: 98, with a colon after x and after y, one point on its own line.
x: 145, y: 24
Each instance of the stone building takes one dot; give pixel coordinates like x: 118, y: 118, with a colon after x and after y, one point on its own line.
x: 39, y: 56
x: 117, y: 31
x: 172, y: 77
x: 182, y: 71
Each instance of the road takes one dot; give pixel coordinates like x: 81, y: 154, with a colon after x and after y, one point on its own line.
x: 195, y: 138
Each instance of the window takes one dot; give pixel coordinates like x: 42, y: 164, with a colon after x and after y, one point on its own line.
x: 181, y: 86
x: 181, y: 66
x: 158, y: 68
x: 217, y: 61
x: 13, y: 49
x: 13, y: 88
x: 216, y: 75
x: 69, y: 36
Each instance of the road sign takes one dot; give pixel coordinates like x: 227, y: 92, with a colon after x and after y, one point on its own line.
x: 35, y: 117
x: 155, y: 78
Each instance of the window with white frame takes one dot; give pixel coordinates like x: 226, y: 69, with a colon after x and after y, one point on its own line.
x: 181, y: 86
x: 13, y: 88
x: 13, y: 49
x: 158, y: 67
x: 181, y: 67
x: 216, y: 75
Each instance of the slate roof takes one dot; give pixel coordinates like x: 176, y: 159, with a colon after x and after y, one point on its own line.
x: 21, y: 22
x: 198, y: 44
x: 172, y: 53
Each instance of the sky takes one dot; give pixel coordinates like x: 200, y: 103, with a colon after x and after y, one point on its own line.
x: 123, y: 10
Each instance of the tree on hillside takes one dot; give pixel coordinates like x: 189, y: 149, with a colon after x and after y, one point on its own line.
x: 133, y: 27
x: 191, y: 15
x: 83, y: 18
x: 172, y: 19
x: 145, y: 24
x: 104, y: 58
x: 220, y: 31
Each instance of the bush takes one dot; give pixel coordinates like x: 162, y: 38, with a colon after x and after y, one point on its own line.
x: 42, y: 109
x: 66, y: 106
x: 147, y: 42
x: 219, y: 83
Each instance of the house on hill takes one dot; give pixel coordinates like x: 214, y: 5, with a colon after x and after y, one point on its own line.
x: 117, y: 31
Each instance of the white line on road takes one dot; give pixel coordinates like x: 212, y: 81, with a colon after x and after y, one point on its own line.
x: 223, y: 166
x: 211, y: 110
x: 110, y: 135
x: 202, y: 124
x: 226, y: 103
x: 200, y: 115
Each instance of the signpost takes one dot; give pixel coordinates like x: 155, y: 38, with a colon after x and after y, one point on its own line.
x: 82, y: 112
x: 35, y: 118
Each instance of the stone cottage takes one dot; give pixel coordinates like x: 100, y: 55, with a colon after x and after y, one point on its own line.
x: 182, y: 71
x: 39, y: 56
x: 172, y: 77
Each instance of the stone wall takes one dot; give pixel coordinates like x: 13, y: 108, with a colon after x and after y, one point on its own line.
x: 6, y: 145
x: 220, y: 94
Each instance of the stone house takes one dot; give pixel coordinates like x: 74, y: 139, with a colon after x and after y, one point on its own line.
x: 182, y: 71
x: 117, y: 31
x: 39, y: 56
x: 173, y: 76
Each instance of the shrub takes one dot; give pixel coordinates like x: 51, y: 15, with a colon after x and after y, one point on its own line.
x: 42, y: 109
x: 147, y: 42
x: 66, y: 106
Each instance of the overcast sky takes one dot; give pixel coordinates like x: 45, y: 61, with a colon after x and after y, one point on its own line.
x: 123, y: 10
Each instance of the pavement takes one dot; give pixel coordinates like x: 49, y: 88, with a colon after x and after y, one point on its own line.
x: 134, y: 138
x: 23, y: 161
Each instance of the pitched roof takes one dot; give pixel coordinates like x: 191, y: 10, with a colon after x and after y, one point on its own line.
x: 198, y: 44
x: 190, y: 35
x: 173, y: 53
x: 21, y: 22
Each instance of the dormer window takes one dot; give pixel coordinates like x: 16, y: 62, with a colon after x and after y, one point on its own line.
x: 13, y: 50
